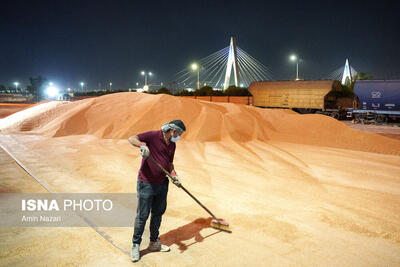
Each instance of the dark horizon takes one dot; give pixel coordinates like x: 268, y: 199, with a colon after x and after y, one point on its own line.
x: 96, y: 41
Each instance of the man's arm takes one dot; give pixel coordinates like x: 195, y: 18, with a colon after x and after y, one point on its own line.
x: 174, y: 176
x: 171, y: 167
x: 134, y: 140
x: 144, y: 150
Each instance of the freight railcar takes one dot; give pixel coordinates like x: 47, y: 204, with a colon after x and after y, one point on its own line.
x: 318, y: 96
x: 379, y: 100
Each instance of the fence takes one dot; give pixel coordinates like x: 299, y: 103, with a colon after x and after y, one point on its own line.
x: 244, y: 100
x: 16, y: 98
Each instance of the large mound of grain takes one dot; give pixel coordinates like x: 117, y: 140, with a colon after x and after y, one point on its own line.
x: 118, y: 116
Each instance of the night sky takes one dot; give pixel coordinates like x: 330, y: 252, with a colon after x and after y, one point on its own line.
x: 101, y: 41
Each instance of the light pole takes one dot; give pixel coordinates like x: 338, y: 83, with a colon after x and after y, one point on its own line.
x: 294, y: 58
x: 145, y: 77
x: 146, y: 87
x: 16, y: 86
x: 150, y: 76
x: 196, y: 67
x: 82, y: 84
x: 110, y: 86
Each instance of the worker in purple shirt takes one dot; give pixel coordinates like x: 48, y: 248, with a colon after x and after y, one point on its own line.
x: 152, y: 184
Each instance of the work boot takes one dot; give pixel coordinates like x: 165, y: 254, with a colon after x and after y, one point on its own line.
x: 157, y: 246
x: 135, y: 253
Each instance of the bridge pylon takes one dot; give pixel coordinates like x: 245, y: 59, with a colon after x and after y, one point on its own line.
x: 232, y: 62
x: 347, y: 77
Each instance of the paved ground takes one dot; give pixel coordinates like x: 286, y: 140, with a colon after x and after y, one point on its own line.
x: 391, y: 130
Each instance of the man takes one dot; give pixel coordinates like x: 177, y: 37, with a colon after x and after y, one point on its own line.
x: 152, y: 184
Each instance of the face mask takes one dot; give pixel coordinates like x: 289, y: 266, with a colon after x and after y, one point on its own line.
x: 175, y: 139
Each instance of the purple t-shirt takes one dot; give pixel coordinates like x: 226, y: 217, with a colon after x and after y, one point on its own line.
x: 161, y: 152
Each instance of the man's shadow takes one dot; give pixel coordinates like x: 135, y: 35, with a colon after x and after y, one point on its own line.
x: 186, y: 232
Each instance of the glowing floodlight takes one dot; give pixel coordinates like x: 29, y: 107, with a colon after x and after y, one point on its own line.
x: 293, y: 57
x: 194, y: 66
x: 52, y: 91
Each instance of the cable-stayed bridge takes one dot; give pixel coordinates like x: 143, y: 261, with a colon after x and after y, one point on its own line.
x: 234, y: 66
x: 216, y: 70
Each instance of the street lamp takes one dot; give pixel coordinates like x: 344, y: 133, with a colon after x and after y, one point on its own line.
x: 196, y: 67
x: 52, y: 91
x: 294, y: 58
x: 82, y: 84
x: 16, y: 86
x: 150, y: 74
x: 145, y: 76
x: 110, y: 86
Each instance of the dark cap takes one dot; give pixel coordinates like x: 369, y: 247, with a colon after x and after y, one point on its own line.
x: 179, y: 123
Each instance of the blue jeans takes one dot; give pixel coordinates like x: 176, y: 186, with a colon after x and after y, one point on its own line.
x: 151, y: 198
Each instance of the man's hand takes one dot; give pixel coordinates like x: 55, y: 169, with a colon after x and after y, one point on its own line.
x: 144, y: 150
x: 175, y: 179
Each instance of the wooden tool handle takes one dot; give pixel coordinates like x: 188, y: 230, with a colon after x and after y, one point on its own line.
x: 181, y: 186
